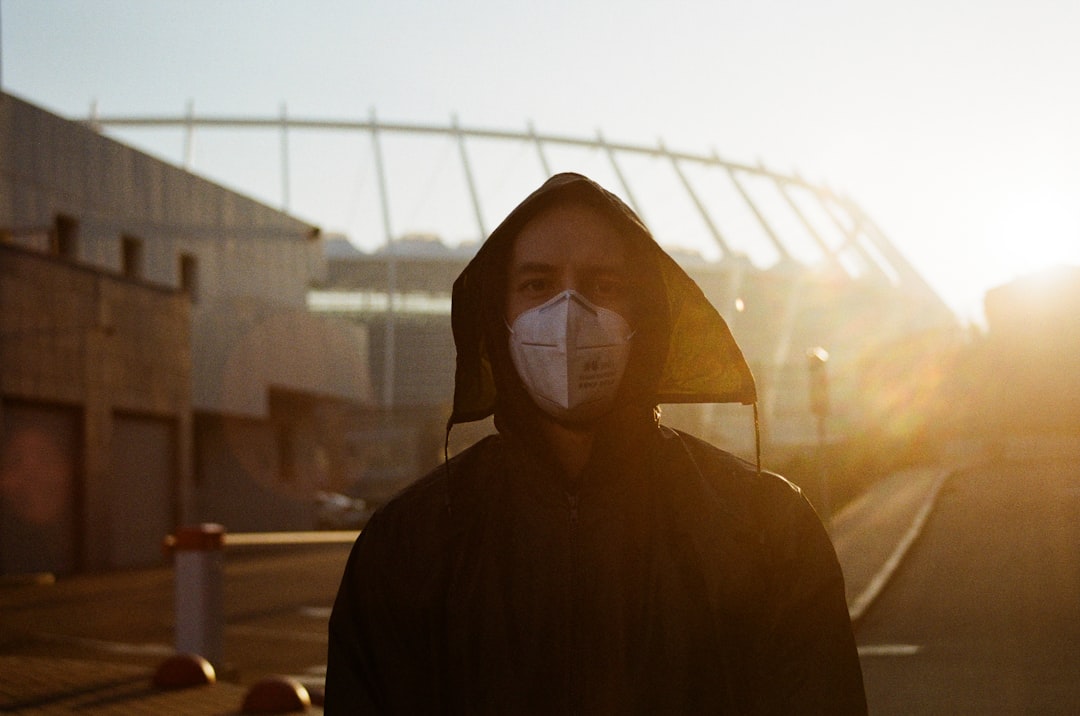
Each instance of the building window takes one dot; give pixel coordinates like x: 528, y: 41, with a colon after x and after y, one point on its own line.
x: 189, y: 275
x: 65, y: 238
x: 132, y: 256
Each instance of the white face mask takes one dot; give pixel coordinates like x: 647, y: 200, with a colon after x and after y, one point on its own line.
x: 571, y: 355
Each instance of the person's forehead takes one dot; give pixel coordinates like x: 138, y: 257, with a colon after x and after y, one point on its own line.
x: 571, y: 232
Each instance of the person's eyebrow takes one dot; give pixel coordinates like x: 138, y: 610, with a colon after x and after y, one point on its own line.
x: 533, y: 267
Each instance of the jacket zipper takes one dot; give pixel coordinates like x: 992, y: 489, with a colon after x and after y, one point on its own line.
x: 573, y: 647
x: 572, y: 503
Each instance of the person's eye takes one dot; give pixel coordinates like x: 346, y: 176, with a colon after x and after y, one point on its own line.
x: 534, y: 285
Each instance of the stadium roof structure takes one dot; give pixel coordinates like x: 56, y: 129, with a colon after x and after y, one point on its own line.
x: 717, y: 208
x: 790, y: 263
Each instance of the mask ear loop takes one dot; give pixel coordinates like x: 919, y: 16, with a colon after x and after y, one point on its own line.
x: 757, y: 439
x: 446, y: 464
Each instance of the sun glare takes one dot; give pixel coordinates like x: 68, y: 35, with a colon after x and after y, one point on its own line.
x: 1032, y: 231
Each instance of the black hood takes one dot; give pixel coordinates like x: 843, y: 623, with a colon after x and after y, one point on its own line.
x: 685, y: 354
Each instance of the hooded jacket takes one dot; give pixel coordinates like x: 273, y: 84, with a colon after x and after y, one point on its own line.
x: 670, y: 577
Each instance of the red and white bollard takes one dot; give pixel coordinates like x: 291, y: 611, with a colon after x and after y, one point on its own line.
x: 199, y: 590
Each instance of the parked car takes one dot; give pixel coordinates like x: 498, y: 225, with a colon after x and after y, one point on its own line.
x: 334, y: 511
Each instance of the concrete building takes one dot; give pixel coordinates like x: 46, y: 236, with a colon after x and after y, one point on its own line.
x: 155, y: 335
x: 96, y: 459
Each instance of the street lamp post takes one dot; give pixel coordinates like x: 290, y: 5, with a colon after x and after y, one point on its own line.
x: 816, y: 360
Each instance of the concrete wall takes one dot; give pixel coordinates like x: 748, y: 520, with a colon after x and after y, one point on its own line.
x: 50, y: 166
x: 110, y: 351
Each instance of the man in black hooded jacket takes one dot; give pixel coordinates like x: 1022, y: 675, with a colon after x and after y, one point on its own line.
x: 586, y: 559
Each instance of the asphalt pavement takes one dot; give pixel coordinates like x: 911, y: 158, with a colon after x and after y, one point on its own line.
x: 983, y: 616
x: 94, y: 643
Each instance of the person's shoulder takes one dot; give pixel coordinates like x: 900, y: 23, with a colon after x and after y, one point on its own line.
x: 726, y: 471
x: 757, y: 502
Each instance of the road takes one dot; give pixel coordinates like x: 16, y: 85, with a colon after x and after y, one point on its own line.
x: 983, y: 617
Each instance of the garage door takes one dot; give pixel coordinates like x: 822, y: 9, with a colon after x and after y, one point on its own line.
x: 39, y: 456
x: 142, y: 489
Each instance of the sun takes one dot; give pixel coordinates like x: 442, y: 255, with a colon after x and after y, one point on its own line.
x: 1034, y: 229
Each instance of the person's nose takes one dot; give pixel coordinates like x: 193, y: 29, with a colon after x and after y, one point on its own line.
x: 571, y: 281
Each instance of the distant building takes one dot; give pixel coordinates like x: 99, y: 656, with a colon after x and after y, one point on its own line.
x: 1030, y: 372
x: 158, y: 364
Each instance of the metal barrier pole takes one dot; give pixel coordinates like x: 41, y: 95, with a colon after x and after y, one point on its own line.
x: 199, y: 590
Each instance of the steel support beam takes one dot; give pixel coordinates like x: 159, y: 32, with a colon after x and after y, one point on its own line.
x: 285, y: 198
x: 907, y: 273
x: 389, y: 349
x: 618, y: 173
x: 851, y: 239
x: 189, y: 135
x: 469, y: 181
x: 760, y: 217
x: 713, y: 229
x: 544, y: 163
x: 825, y: 249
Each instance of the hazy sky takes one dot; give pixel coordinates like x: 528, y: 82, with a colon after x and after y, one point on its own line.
x: 954, y: 123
